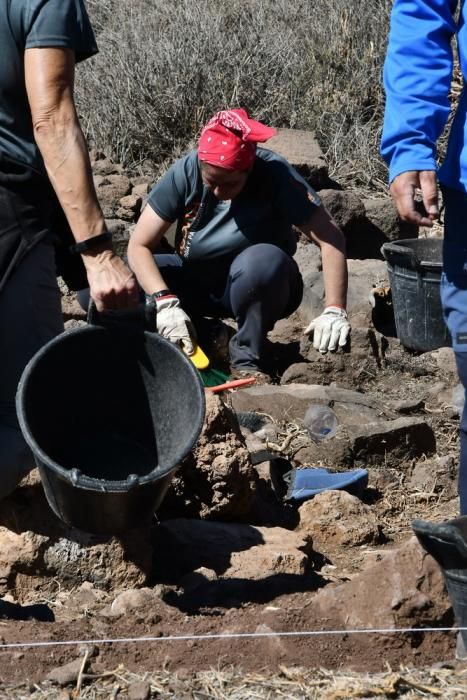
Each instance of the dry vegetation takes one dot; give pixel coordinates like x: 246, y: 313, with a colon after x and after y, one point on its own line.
x: 165, y: 67
x: 296, y: 683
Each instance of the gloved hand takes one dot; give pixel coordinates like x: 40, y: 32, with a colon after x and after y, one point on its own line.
x: 174, y: 324
x: 330, y: 329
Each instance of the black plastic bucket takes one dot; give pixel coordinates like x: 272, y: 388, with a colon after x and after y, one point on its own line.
x: 447, y: 543
x: 415, y: 267
x: 109, y: 413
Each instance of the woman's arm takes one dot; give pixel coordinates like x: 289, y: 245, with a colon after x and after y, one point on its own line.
x: 323, y: 230
x: 144, y: 240
x: 49, y: 74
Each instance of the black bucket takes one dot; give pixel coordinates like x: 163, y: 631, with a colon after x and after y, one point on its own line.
x: 447, y: 544
x: 109, y: 413
x: 415, y: 267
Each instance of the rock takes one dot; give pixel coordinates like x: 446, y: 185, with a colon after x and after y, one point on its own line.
x: 336, y: 519
x: 445, y: 360
x: 110, y: 564
x: 292, y: 401
x: 61, y: 552
x: 389, y: 443
x: 230, y: 550
x: 126, y: 214
x: 198, y: 578
x: 96, y: 154
x: 384, y: 223
x: 132, y: 600
x: 110, y: 194
x: 217, y: 481
x: 407, y: 405
x: 435, y: 476
x: 141, y: 690
x: 141, y: 189
x: 302, y: 150
x: 87, y: 597
x: 364, y: 275
x: 404, y: 589
x: 267, y: 433
x: 349, y: 212
x: 67, y: 674
x: 267, y: 560
x: 132, y: 202
x: 106, y: 167
x: 308, y: 259
x: 19, y: 552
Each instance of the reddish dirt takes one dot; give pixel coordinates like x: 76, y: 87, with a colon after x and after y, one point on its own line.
x: 353, y: 652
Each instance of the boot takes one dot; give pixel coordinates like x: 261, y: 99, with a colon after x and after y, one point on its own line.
x: 447, y: 544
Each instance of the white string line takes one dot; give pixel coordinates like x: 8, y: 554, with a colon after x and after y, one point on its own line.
x: 229, y: 635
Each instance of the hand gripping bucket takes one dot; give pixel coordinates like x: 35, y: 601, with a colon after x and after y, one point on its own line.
x: 109, y: 412
x: 414, y: 267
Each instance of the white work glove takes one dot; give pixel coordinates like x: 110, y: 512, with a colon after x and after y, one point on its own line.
x: 330, y: 330
x: 174, y: 324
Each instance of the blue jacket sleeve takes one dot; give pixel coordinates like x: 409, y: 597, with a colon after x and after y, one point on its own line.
x: 417, y: 78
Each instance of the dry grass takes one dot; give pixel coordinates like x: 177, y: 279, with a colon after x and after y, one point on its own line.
x: 165, y: 67
x: 448, y: 684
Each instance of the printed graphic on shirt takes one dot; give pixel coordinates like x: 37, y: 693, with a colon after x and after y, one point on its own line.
x: 314, y: 198
x: 183, y: 243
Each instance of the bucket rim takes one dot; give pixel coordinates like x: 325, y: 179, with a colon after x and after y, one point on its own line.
x: 75, y: 477
x: 399, y: 247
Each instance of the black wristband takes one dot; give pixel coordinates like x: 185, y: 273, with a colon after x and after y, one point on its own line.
x: 91, y: 243
x: 161, y: 293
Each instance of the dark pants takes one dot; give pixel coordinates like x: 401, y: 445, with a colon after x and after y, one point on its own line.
x: 454, y: 299
x: 263, y: 285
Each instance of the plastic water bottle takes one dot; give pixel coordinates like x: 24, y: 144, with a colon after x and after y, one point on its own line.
x: 320, y: 421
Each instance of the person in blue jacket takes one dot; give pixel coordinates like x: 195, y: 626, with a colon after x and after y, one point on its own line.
x: 417, y: 79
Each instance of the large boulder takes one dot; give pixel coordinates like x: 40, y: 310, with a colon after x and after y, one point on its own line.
x: 217, y: 481
x: 364, y: 277
x: 231, y: 550
x: 384, y: 223
x: 366, y: 224
x: 292, y: 401
x: 335, y: 519
x: 404, y: 589
x: 303, y: 151
x: 36, y: 545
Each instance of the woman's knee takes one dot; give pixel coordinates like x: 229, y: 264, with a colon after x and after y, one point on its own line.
x: 262, y: 263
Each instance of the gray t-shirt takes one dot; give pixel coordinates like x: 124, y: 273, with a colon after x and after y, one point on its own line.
x: 274, y: 199
x: 27, y: 24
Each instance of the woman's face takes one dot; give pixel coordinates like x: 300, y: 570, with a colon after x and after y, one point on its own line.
x: 224, y: 184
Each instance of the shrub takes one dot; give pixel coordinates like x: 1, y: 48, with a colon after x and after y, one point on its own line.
x: 165, y: 67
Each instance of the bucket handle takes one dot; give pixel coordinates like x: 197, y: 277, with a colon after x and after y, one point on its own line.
x: 138, y: 319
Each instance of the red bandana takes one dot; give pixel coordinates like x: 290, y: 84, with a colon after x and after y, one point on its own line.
x: 229, y: 140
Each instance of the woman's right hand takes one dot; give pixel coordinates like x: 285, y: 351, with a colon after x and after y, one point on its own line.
x: 174, y: 324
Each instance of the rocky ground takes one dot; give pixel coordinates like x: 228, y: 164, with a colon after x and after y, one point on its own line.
x: 232, y: 559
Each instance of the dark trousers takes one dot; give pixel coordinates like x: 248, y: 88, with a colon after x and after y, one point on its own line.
x: 454, y: 299
x: 262, y: 285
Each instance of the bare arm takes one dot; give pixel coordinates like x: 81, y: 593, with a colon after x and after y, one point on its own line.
x: 147, y: 234
x: 323, y: 230
x: 49, y: 75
